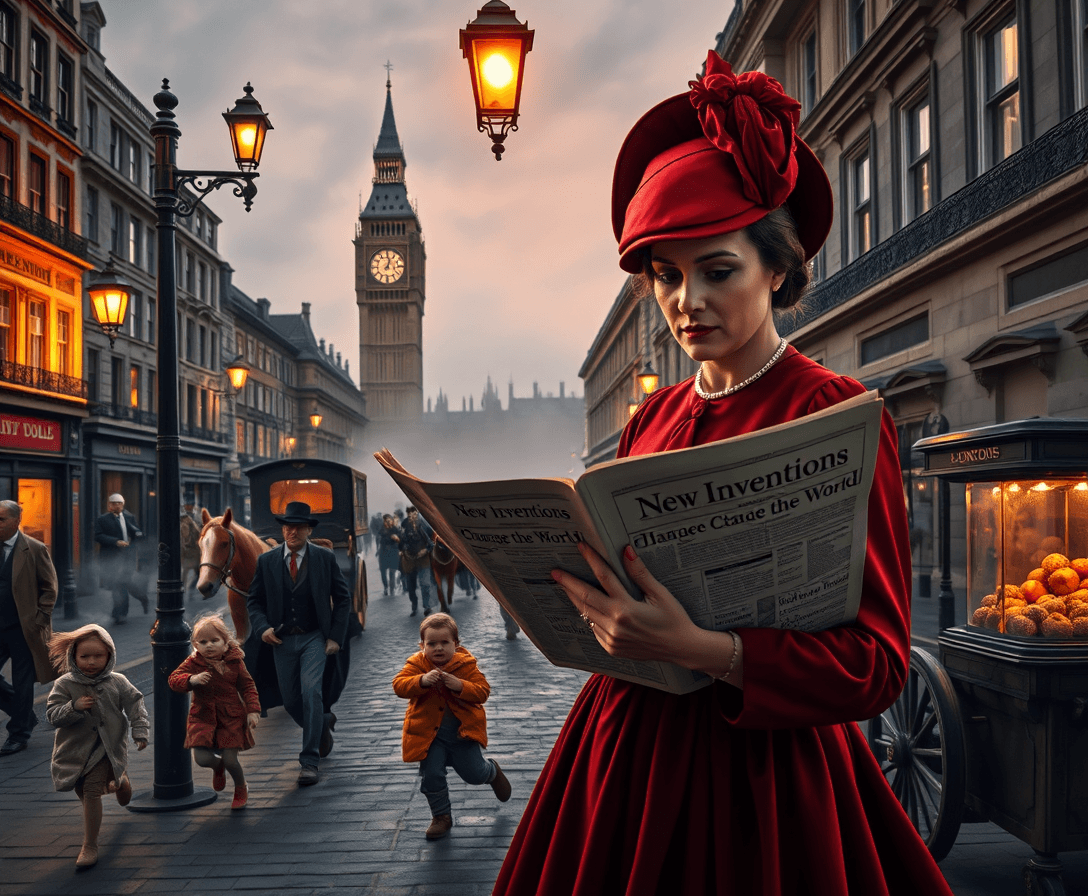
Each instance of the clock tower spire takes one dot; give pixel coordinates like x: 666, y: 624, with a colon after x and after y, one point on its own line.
x: 390, y: 284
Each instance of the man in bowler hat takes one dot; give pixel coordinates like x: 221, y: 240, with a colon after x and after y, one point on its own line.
x: 28, y: 591
x: 299, y: 603
x: 115, y: 531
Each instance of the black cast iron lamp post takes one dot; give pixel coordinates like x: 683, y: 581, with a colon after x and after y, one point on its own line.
x: 109, y: 292
x: 495, y: 44
x: 178, y: 193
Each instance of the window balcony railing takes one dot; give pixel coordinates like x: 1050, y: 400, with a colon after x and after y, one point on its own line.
x: 40, y: 108
x: 124, y: 412
x: 32, y: 222
x: 12, y: 88
x: 45, y: 380
x: 199, y: 432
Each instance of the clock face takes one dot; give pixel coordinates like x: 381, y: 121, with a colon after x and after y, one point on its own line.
x: 387, y: 266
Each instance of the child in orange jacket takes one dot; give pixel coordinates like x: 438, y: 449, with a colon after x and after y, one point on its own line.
x: 445, y: 724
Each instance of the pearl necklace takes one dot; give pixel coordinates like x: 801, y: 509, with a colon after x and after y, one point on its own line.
x: 710, y: 396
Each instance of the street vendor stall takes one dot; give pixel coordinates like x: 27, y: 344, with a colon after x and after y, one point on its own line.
x: 997, y: 728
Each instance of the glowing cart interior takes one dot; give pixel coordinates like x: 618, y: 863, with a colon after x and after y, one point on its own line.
x: 996, y: 728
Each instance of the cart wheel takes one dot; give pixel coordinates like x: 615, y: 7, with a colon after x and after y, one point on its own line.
x: 361, y: 599
x: 919, y: 743
x: 1043, y: 876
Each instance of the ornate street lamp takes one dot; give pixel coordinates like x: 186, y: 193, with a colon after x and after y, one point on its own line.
x: 109, y: 292
x: 647, y: 378
x: 316, y: 418
x: 495, y: 44
x: 177, y: 193
x: 289, y: 443
x: 237, y: 373
x: 632, y: 406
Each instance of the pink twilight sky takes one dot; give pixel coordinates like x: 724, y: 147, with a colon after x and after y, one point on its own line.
x: 521, y: 261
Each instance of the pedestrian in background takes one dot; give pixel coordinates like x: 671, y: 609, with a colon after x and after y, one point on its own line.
x: 299, y: 603
x: 92, y: 707
x: 225, y: 707
x: 416, y: 545
x: 388, y: 538
x: 28, y: 591
x: 759, y: 782
x: 115, y: 531
x: 445, y: 723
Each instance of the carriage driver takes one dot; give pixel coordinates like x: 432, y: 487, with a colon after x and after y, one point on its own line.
x: 299, y: 601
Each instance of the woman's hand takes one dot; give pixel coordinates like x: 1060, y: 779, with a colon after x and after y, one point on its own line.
x: 655, y: 628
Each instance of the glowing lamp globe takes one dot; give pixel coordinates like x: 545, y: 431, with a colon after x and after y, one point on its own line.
x: 237, y: 373
x: 495, y: 44
x: 109, y: 292
x: 647, y: 378
x: 248, y: 125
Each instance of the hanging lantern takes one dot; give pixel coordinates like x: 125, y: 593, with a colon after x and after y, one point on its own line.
x: 248, y: 125
x: 495, y: 44
x: 647, y: 378
x: 316, y: 418
x: 237, y: 373
x: 109, y: 292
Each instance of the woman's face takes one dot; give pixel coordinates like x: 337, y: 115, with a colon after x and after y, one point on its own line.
x: 715, y: 294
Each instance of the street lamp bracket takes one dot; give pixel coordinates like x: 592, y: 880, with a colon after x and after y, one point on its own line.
x: 203, y: 182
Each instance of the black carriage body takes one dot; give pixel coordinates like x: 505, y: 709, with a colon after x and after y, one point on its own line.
x: 1023, y: 700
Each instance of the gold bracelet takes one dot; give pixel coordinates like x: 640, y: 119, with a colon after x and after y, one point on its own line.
x: 732, y: 662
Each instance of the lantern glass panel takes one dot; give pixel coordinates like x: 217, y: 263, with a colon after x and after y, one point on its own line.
x: 110, y: 306
x: 1027, y: 557
x: 497, y: 63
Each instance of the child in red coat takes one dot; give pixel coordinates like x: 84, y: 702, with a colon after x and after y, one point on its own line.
x: 226, y: 707
x: 445, y: 723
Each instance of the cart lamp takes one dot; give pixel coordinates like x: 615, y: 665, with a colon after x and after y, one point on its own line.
x: 1081, y: 487
x: 316, y: 418
x: 248, y: 125
x: 289, y: 442
x: 495, y: 44
x: 109, y: 292
x: 647, y: 378
x: 1041, y: 487
x: 1014, y: 486
x: 237, y: 372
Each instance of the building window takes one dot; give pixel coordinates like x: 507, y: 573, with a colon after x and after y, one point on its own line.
x: 64, y: 348
x: 917, y: 159
x: 859, y: 204
x: 189, y: 272
x: 91, y: 135
x: 134, y: 386
x: 92, y: 215
x: 116, y: 229
x: 213, y: 360
x: 131, y: 155
x: 151, y: 320
x: 64, y: 201
x: 151, y: 174
x: 1080, y: 52
x: 202, y: 346
x: 117, y: 382
x: 7, y: 335
x: 190, y: 340
x: 895, y: 339
x: 136, y: 316
x: 1002, y: 128
x: 36, y: 183
x: 39, y: 68
x: 7, y: 167
x: 8, y: 21
x: 91, y: 373
x: 1052, y: 276
x: 855, y: 24
x: 808, y: 72
x: 152, y: 394
x: 35, y: 343
x: 203, y: 282
x: 135, y: 242
x: 115, y: 146
x: 64, y: 88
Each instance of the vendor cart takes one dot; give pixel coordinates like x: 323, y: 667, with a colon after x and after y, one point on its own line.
x: 996, y: 729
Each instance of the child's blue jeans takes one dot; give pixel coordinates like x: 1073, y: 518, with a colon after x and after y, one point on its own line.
x: 465, y: 756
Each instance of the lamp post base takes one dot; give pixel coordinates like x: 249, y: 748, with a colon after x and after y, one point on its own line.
x: 147, y: 802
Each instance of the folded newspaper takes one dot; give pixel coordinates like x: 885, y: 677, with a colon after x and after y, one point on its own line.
x: 762, y: 530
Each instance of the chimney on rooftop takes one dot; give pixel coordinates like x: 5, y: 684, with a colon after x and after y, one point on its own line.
x: 306, y: 312
x: 263, y: 306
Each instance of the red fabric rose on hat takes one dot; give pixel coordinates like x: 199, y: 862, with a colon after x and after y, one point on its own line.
x: 750, y: 117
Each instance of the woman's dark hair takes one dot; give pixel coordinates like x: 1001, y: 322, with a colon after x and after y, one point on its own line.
x: 776, y: 241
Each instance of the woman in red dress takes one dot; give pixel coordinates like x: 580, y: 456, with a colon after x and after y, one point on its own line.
x: 760, y: 784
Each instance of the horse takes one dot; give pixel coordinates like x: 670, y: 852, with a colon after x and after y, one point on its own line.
x: 228, y: 556
x: 444, y: 564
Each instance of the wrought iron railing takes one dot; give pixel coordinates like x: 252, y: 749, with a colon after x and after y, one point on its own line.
x: 199, y: 432
x: 125, y: 412
x: 46, y: 380
x: 12, y: 88
x: 29, y: 220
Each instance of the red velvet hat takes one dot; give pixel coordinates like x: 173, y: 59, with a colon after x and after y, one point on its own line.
x: 715, y: 160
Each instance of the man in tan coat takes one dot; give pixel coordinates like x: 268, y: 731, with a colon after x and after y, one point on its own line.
x: 28, y: 590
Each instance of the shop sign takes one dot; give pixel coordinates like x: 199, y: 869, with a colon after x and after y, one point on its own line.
x: 15, y: 262
x: 201, y: 463
x: 29, y: 433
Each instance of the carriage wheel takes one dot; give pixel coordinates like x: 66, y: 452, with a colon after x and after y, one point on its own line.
x: 919, y: 743
x: 361, y: 599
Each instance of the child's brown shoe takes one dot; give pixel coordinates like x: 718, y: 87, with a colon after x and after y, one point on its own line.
x: 439, y: 827
x: 501, y: 784
x: 124, y: 790
x: 241, y: 797
x: 219, y: 777
x: 87, y: 857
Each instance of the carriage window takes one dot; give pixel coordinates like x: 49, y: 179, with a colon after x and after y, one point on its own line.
x: 315, y: 492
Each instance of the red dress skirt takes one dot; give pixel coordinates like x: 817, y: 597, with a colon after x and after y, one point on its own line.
x: 758, y: 792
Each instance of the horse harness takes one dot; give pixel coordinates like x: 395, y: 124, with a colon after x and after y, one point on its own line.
x: 224, y: 571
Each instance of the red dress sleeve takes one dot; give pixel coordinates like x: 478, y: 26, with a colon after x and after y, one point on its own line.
x: 794, y: 679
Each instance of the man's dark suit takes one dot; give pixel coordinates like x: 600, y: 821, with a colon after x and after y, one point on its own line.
x: 299, y: 669
x: 119, y: 563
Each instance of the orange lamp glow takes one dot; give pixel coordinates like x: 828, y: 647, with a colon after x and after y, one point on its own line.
x: 495, y: 44
x: 237, y: 373
x: 316, y: 418
x: 647, y: 378
x: 248, y: 125
x: 109, y: 292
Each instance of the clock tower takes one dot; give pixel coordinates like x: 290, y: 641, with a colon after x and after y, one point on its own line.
x: 390, y: 286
